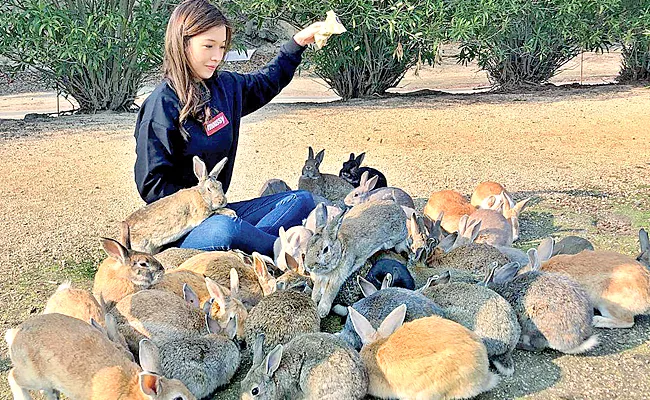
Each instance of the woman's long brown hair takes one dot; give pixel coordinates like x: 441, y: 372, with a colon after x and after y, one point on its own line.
x: 190, y: 18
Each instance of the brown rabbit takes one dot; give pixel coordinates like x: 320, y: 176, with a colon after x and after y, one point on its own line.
x: 617, y: 285
x: 229, y: 304
x: 124, y: 272
x: 329, y: 186
x: 495, y: 230
x: 174, y: 281
x: 481, y: 198
x: 217, y: 266
x: 172, y: 217
x: 57, y: 353
x: 452, y: 204
x: 77, y: 303
x: 427, y: 358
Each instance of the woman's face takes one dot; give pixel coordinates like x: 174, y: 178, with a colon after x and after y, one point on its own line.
x: 206, y: 50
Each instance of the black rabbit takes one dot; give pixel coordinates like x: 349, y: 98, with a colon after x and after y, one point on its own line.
x: 352, y: 171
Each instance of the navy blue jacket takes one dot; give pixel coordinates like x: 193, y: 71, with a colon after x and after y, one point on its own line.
x: 164, y: 158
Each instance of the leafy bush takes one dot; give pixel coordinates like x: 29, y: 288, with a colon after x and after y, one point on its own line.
x: 523, y: 42
x: 98, y: 52
x: 384, y: 39
x: 631, y: 28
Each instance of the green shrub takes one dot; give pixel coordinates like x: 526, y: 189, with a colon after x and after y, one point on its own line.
x: 523, y: 42
x: 631, y: 28
x: 98, y: 52
x: 384, y: 39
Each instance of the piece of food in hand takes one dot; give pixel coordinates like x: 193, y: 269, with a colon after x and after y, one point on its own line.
x: 331, y: 26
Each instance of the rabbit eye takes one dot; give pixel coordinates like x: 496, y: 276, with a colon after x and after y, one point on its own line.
x: 255, y: 391
x: 356, y: 195
x: 178, y: 398
x: 143, y: 264
x: 326, y: 249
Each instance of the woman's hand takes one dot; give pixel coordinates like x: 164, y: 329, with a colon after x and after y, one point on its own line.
x: 306, y: 36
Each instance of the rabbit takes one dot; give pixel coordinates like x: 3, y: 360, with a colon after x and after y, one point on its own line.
x: 175, y: 281
x: 352, y: 170
x: 571, y: 245
x: 401, y: 277
x: 329, y: 186
x: 484, y: 312
x: 488, y: 194
x: 350, y: 292
x: 310, y: 223
x: 293, y: 242
x: 273, y: 186
x: 495, y: 230
x: 453, y: 206
x: 168, y: 219
x: 230, y: 304
x: 46, y: 352
x: 428, y: 358
x: 217, y: 266
x: 77, y: 303
x: 172, y: 257
x: 345, y: 244
x: 156, y: 315
x: 644, y: 243
x: 281, y: 316
x: 366, y: 191
x: 124, y: 272
x: 617, y: 285
x: 565, y: 326
x: 311, y: 366
x: 202, y: 363
x: 379, y: 303
x: 511, y: 213
x: 295, y: 277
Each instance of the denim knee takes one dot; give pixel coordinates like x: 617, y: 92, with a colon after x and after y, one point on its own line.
x: 215, y: 233
x: 306, y: 201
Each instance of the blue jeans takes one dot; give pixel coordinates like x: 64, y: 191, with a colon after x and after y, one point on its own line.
x: 256, y: 226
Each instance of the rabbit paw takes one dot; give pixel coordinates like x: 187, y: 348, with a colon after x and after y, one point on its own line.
x: 323, y: 310
x: 228, y: 212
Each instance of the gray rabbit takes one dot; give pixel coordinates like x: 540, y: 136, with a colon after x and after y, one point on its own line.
x: 328, y: 186
x: 343, y: 246
x: 312, y: 366
x: 484, y: 312
x: 553, y: 310
x: 380, y: 303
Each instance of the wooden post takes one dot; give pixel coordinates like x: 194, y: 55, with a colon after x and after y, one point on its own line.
x: 582, y: 59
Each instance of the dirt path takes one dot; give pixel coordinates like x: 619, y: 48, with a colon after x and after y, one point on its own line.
x: 583, y: 154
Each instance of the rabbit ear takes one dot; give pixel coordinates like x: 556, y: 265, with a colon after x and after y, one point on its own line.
x: 292, y: 263
x: 351, y: 157
x: 319, y: 157
x: 283, y: 237
x: 427, y: 284
x: 362, y: 326
x: 360, y: 158
x: 388, y: 280
x: 644, y: 242
x: 212, y: 325
x: 234, y: 282
x: 96, y: 325
x: 442, y: 279
x: 310, y: 156
x: 217, y: 168
x: 200, y: 171
x: 462, y: 225
x: 489, y: 276
x: 190, y: 296
x: 545, y: 249
x: 364, y: 179
x: 519, y: 207
x: 115, y: 250
x: 533, y: 260
x: 372, y: 182
x: 415, y: 228
x: 475, y: 229
x: 125, y: 234
x: 231, y: 327
x: 392, y: 322
x: 149, y: 384
x: 265, y: 279
x: 273, y: 360
x: 447, y: 243
x: 207, y: 306
x: 258, y: 354
x: 489, y: 202
x: 216, y: 292
x: 367, y: 288
x: 149, y: 356
x: 506, y: 272
x: 320, y: 215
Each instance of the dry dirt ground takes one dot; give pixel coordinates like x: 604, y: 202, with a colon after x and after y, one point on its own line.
x: 582, y: 153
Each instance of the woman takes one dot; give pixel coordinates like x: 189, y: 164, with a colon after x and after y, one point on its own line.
x: 197, y: 111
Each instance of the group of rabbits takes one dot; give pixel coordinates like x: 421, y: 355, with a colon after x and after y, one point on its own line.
x: 434, y: 302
